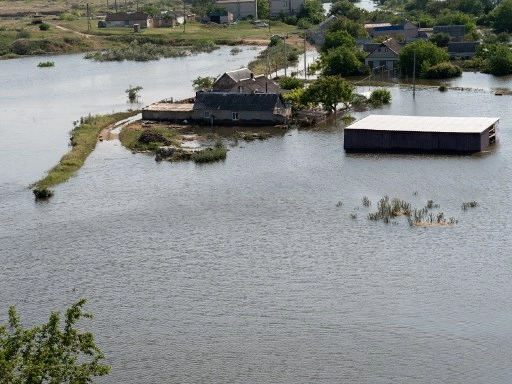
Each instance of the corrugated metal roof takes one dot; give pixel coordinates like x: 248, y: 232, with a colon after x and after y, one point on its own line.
x: 161, y: 107
x: 424, y: 123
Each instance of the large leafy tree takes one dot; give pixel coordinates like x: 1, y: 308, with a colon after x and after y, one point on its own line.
x: 342, y: 61
x: 313, y: 11
x: 424, y: 54
x: 328, y: 91
x: 501, y: 17
x: 499, y: 59
x: 49, y: 353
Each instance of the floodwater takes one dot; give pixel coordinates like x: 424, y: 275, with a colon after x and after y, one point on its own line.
x: 263, y: 268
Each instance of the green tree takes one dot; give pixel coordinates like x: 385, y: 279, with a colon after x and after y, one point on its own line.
x: 501, y: 17
x: 424, y: 53
x: 337, y: 39
x: 49, y: 353
x: 313, y: 11
x: 342, y: 61
x: 329, y: 91
x: 290, y: 83
x: 205, y: 82
x: 133, y: 93
x: 448, y: 17
x: 440, y: 39
x: 263, y: 10
x: 499, y: 61
x: 379, y: 97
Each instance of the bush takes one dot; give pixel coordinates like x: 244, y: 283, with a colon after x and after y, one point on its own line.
x: 42, y: 193
x: 23, y: 34
x: 379, y: 97
x: 44, y: 27
x: 443, y: 71
x: 290, y: 83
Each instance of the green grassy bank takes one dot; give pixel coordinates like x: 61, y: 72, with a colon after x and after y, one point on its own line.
x: 83, y: 141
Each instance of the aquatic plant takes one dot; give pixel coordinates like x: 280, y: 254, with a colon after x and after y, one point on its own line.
x: 339, y: 204
x: 42, y: 193
x: 366, y: 201
x: 353, y: 215
x: 469, y: 204
x: 44, y: 64
x: 388, y: 210
x: 133, y: 93
x: 210, y: 155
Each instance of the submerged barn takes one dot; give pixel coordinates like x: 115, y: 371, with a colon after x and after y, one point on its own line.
x: 420, y: 134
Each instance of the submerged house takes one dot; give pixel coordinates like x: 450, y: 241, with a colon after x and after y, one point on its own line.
x: 392, y: 133
x: 224, y: 108
x: 384, y: 55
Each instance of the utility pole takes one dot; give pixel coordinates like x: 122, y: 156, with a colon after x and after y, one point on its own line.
x: 285, y: 61
x: 414, y: 75
x: 88, y: 19
x: 305, y: 72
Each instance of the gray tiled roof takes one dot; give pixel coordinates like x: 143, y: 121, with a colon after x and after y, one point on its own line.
x: 236, y: 101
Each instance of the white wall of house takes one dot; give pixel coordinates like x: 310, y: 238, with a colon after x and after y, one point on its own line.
x: 240, y: 8
x: 288, y: 7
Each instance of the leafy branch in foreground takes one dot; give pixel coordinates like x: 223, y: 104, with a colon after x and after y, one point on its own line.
x: 49, y: 353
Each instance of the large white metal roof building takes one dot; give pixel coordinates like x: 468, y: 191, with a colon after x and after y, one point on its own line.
x: 421, y: 133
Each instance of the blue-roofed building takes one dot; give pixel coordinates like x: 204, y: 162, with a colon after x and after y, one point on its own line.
x: 402, y: 32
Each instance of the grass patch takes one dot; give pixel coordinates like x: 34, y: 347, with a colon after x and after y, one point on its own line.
x: 210, y: 155
x: 44, y: 64
x: 130, y: 137
x: 83, y: 141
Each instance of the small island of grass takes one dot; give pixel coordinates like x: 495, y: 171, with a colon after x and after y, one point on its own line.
x: 83, y: 141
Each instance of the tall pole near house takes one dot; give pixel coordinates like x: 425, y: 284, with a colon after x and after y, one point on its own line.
x: 184, y: 17
x: 285, y: 61
x: 414, y: 75
x: 305, y: 71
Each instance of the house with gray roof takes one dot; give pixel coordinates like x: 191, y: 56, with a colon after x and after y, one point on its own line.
x: 224, y: 108
x: 462, y: 49
x: 247, y: 109
x: 227, y: 80
x: 384, y: 55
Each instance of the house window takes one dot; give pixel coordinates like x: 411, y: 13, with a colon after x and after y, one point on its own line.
x: 206, y: 114
x: 385, y: 49
x: 240, y: 88
x: 234, y: 115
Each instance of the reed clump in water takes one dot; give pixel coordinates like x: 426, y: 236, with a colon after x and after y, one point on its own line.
x: 389, y: 209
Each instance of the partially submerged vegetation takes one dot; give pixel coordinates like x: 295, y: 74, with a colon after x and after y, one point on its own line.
x: 45, y: 64
x: 166, y: 142
x: 390, y: 210
x: 83, y: 140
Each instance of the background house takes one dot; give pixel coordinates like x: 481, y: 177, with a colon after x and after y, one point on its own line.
x: 403, y: 32
x: 286, y: 7
x: 228, y: 79
x: 317, y: 34
x: 220, y: 17
x: 240, y: 8
x: 456, y: 32
x: 128, y: 19
x: 462, y: 49
x: 384, y: 55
